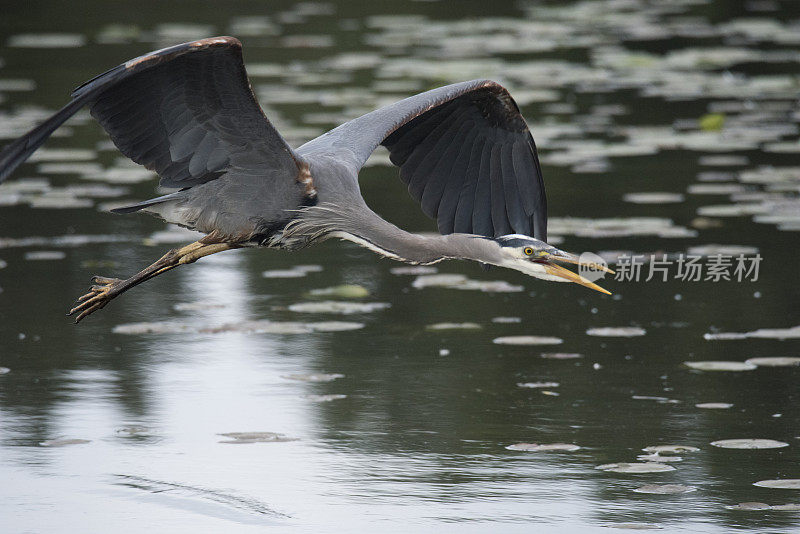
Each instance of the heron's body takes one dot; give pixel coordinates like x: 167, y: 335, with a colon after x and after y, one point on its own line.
x: 188, y: 113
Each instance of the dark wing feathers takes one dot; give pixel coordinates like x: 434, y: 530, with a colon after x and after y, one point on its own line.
x: 187, y: 112
x: 464, y: 151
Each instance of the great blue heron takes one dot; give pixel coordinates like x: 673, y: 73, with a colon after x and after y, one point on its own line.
x: 188, y: 113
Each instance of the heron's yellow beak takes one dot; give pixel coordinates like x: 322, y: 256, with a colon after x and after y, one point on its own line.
x: 568, y: 275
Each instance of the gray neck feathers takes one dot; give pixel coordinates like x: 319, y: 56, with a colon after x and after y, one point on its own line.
x: 363, y: 226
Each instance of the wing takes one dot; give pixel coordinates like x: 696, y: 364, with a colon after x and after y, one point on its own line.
x: 465, y: 152
x: 186, y: 112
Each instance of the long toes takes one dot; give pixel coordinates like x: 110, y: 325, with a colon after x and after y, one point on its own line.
x: 84, y: 303
x: 89, y: 310
x: 87, y: 296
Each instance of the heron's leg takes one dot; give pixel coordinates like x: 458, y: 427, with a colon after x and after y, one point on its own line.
x: 106, y: 289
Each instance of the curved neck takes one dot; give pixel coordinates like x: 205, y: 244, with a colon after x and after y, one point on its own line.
x: 364, y: 227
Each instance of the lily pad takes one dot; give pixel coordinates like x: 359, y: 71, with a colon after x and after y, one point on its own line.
x: 720, y: 366
x: 665, y: 489
x: 459, y: 281
x: 255, y: 437
x: 561, y: 355
x: 620, y: 331
x: 653, y: 198
x: 45, y: 255
x: 165, y: 327
x: 413, y: 270
x: 284, y: 273
x: 634, y: 467
x: 536, y: 447
x: 749, y: 443
x: 762, y: 333
x: 298, y: 271
x: 506, y: 320
x: 199, y: 305
x: 784, y: 483
x: 338, y: 307
x: 537, y: 385
x: 677, y: 449
x: 774, y: 361
x: 453, y: 326
x: 749, y: 506
x: 46, y: 40
x: 346, y: 291
x: 527, y: 340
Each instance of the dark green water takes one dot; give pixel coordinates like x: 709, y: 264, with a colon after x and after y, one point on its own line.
x: 614, y: 93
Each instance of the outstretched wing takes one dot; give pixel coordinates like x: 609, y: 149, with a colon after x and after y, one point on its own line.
x: 186, y: 112
x: 465, y: 152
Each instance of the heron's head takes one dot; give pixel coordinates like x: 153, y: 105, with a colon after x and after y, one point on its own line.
x: 537, y: 258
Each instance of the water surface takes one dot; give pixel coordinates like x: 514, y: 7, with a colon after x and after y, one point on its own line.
x: 388, y: 423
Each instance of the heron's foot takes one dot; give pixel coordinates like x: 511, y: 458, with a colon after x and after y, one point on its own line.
x: 98, y: 296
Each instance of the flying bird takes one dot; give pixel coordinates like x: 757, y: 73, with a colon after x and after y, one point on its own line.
x: 188, y: 113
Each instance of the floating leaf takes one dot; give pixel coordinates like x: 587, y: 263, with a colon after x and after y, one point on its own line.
x: 712, y: 122
x: 198, y: 306
x: 284, y: 273
x: 665, y: 489
x: 749, y: 506
x: 346, y: 291
x: 536, y: 447
x: 45, y: 255
x: 46, y: 40
x: 720, y: 366
x: 527, y: 340
x: 537, y: 385
x: 621, y: 331
x: 506, y: 320
x: 677, y: 449
x: 414, y: 270
x: 749, y: 443
x: 761, y: 333
x: 338, y: 307
x: 255, y: 437
x: 784, y: 483
x: 561, y: 355
x: 653, y: 198
x: 165, y: 327
x: 459, y: 281
x: 644, y: 467
x: 774, y: 361
x: 454, y: 326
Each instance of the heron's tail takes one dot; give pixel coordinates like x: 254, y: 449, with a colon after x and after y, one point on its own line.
x: 16, y: 152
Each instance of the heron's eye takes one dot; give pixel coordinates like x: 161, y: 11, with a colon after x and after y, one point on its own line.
x: 528, y: 251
